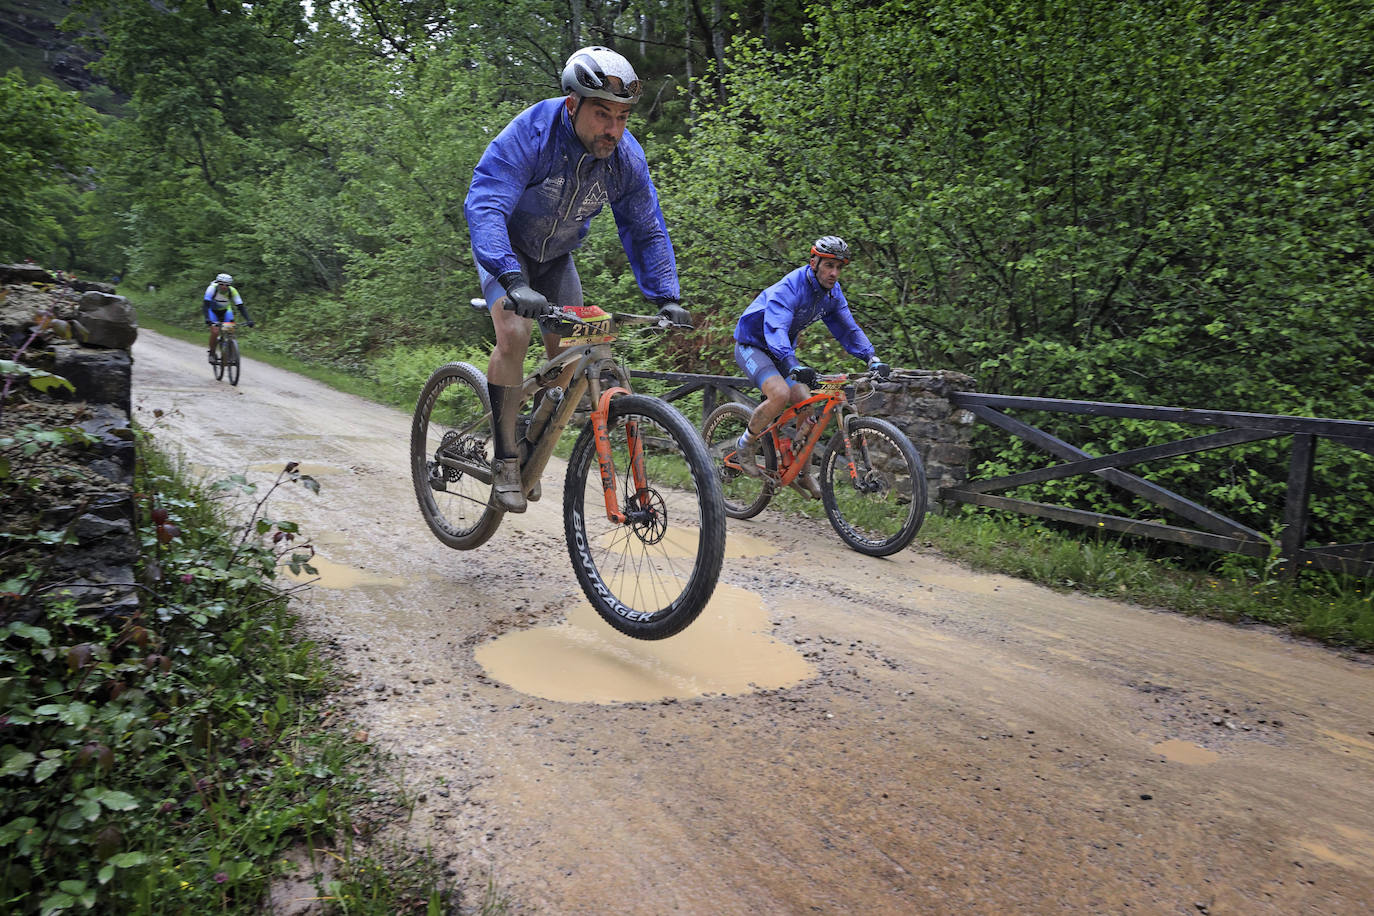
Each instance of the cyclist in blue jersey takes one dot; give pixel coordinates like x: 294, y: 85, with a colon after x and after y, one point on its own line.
x: 766, y: 343
x: 219, y: 301
x: 534, y: 192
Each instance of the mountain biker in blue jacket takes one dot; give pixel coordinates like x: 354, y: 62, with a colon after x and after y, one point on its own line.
x: 534, y: 192
x: 766, y: 343
x: 220, y: 299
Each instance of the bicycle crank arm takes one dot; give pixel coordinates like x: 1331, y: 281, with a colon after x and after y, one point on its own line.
x: 479, y: 471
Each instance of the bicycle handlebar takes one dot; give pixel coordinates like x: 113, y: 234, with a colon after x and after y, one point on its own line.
x: 558, y: 313
x: 561, y: 314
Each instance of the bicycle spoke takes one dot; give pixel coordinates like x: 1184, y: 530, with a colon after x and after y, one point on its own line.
x: 877, y: 506
x: 745, y: 496
x: 650, y: 574
x: 451, y: 435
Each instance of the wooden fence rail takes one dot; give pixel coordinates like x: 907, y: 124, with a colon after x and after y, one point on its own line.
x: 1212, y: 529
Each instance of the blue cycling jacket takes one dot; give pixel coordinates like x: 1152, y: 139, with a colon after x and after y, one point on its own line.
x: 536, y: 189
x: 776, y: 317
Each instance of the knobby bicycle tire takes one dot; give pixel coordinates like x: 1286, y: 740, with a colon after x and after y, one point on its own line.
x: 883, y: 513
x: 652, y: 575
x: 453, y: 417
x: 219, y: 358
x: 744, y: 496
x: 231, y: 359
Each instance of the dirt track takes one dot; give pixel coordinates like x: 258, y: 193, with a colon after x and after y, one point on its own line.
x: 836, y: 734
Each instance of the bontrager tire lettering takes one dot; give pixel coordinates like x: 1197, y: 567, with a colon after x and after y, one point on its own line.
x: 683, y: 493
x: 612, y: 602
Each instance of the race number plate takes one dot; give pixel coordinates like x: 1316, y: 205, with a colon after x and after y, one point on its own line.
x: 597, y: 330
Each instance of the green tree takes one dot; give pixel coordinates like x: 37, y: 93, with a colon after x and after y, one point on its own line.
x: 1095, y: 199
x: 44, y: 137
x: 206, y: 112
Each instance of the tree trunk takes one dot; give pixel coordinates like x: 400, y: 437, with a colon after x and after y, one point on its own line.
x: 575, y: 25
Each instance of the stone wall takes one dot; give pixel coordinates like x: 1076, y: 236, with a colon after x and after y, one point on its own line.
x: 86, y: 333
x: 917, y: 401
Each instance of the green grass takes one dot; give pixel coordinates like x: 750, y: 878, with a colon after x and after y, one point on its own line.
x: 1333, y: 609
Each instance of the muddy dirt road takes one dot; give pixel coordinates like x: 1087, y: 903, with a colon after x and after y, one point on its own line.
x: 836, y: 734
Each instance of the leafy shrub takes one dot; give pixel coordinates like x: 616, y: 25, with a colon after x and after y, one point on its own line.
x: 163, y: 760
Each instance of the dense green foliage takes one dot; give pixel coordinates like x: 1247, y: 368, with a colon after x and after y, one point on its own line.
x: 1097, y: 199
x: 45, y: 137
x: 167, y: 760
x: 1149, y: 203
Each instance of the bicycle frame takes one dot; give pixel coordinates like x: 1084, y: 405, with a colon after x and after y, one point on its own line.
x: 590, y: 362
x: 833, y: 404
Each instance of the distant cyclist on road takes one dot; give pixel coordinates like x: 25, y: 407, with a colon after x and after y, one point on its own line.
x: 220, y: 299
x: 534, y: 192
x: 766, y: 344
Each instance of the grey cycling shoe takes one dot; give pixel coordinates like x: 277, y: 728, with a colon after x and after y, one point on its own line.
x: 746, y: 456
x: 806, y: 484
x: 506, y: 489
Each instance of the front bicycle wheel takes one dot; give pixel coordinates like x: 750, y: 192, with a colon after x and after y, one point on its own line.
x: 219, y: 358
x: 450, y: 456
x: 231, y: 360
x: 744, y: 496
x: 650, y: 575
x: 878, y: 508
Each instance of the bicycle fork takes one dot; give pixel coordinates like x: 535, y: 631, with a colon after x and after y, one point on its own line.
x: 637, y: 471
x: 862, y: 485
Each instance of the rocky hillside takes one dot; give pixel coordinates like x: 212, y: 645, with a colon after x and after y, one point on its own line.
x: 31, y: 40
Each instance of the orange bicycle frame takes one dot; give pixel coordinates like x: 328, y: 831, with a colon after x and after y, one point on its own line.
x: 790, y: 462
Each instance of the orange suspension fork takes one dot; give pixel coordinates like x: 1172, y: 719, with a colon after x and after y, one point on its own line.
x: 601, y: 431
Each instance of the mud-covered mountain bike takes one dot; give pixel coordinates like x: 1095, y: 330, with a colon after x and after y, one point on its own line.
x: 872, y: 480
x: 226, y: 361
x: 642, y: 509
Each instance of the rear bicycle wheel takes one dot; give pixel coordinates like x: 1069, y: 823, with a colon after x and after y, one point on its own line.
x: 230, y: 360
x: 450, y: 457
x: 879, y: 510
x: 744, y: 496
x: 219, y: 358
x: 652, y: 574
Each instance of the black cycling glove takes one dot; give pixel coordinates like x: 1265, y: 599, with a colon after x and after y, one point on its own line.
x: 522, y: 299
x: 804, y: 374
x: 879, y: 368
x: 675, y: 313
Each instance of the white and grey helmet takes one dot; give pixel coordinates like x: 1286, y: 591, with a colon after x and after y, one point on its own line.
x: 831, y: 246
x: 224, y: 278
x: 595, y: 72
